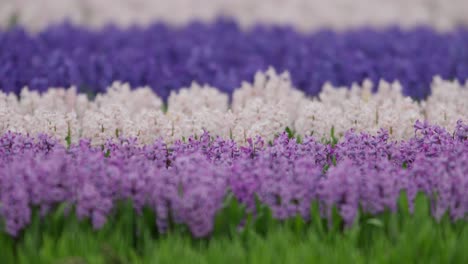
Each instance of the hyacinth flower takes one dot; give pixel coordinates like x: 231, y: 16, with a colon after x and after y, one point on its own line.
x: 265, y: 107
x: 303, y: 15
x: 187, y: 183
x: 221, y: 57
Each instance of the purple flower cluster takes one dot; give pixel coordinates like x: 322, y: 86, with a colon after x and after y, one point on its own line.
x: 187, y: 182
x: 223, y: 55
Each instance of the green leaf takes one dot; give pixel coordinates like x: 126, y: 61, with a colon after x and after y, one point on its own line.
x: 289, y: 132
x: 375, y: 222
x: 264, y: 218
x: 316, y: 219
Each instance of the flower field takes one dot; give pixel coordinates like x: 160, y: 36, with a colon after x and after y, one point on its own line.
x: 223, y: 135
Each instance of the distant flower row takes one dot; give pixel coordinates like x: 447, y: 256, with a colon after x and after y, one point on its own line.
x: 223, y: 55
x: 263, y: 108
x: 189, y: 182
x: 303, y: 14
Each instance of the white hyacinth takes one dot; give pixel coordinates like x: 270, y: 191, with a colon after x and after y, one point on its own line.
x: 271, y: 89
x: 358, y: 108
x: 134, y: 101
x: 262, y: 108
x: 447, y: 102
x: 302, y: 14
x: 192, y: 99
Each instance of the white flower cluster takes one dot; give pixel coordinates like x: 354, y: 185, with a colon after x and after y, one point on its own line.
x: 343, y: 108
x: 196, y: 97
x: 303, y: 14
x: 447, y: 103
x: 262, y: 108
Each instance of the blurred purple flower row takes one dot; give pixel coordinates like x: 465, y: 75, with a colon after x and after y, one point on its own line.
x: 187, y: 182
x: 223, y: 55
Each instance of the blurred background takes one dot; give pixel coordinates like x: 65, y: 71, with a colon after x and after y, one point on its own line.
x: 302, y: 14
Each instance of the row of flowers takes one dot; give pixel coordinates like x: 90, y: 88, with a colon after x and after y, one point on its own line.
x: 303, y: 14
x: 223, y: 55
x: 263, y: 108
x: 188, y: 182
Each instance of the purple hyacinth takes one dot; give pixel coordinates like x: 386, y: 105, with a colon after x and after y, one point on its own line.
x: 187, y: 182
x: 223, y: 55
